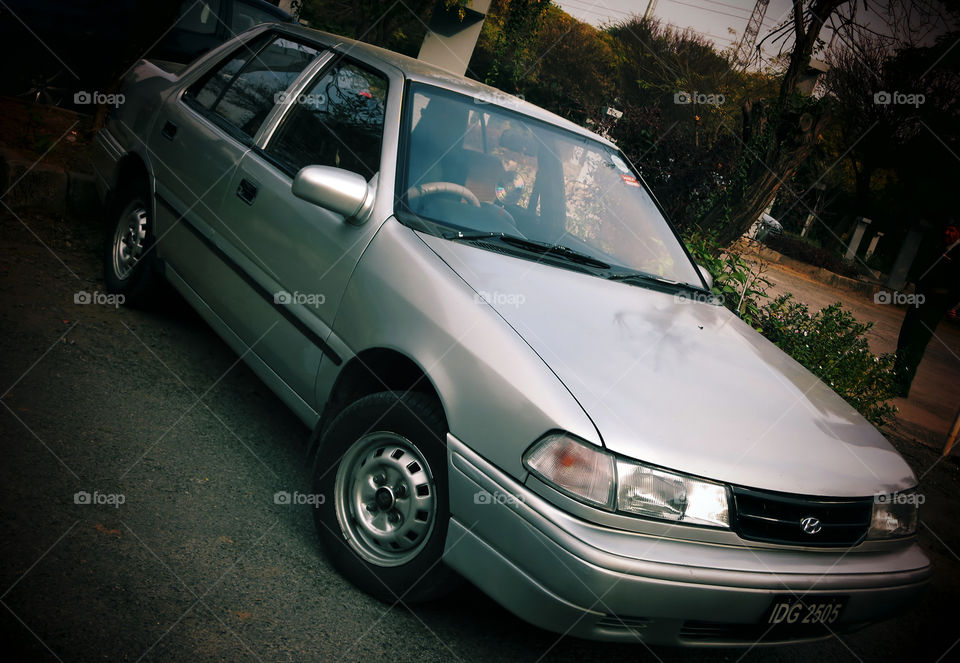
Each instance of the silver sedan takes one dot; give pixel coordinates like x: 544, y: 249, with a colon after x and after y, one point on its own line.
x: 514, y: 371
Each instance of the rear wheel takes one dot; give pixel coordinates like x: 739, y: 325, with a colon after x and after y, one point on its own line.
x: 128, y: 259
x: 382, y: 472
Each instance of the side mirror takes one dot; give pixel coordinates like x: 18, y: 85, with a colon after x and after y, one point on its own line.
x: 707, y: 276
x: 337, y: 190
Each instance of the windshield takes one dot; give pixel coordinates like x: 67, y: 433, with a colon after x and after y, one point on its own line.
x: 478, y: 168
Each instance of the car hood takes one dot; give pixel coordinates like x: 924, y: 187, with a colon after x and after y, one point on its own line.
x: 684, y: 385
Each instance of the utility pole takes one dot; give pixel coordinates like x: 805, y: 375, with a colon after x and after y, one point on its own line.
x: 452, y: 35
x: 651, y: 5
x: 743, y: 56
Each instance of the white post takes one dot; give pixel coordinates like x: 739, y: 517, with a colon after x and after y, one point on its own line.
x: 450, y: 40
x: 862, y: 224
x: 872, y: 246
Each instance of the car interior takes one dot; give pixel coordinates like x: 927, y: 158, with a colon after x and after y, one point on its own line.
x: 466, y: 173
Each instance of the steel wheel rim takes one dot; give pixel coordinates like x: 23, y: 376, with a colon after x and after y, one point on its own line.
x: 385, y: 499
x: 129, y: 240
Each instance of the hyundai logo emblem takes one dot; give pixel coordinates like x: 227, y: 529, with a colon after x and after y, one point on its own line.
x: 811, y: 525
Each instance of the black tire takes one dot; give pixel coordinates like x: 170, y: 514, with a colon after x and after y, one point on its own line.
x: 129, y: 260
x: 393, y: 567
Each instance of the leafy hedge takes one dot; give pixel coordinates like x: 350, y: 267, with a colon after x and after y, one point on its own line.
x: 739, y: 286
x: 812, y: 255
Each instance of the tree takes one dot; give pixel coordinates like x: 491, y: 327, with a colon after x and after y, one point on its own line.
x: 399, y: 26
x: 678, y: 95
x: 513, y: 26
x: 886, y: 153
x: 778, y: 135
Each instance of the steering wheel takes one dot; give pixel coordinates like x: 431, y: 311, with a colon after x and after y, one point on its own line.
x: 442, y: 189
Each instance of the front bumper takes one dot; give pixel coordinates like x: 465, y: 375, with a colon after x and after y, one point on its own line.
x: 579, y: 578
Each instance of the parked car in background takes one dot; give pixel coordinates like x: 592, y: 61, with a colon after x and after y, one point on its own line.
x: 513, y: 370
x: 764, y: 227
x: 204, y: 24
x: 65, y: 47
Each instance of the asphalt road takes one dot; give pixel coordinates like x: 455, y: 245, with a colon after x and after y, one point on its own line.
x: 198, y: 562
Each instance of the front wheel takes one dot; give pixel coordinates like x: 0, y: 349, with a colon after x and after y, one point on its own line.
x: 382, y: 471
x: 128, y: 258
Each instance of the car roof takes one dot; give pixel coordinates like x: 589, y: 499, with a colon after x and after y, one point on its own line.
x: 424, y: 72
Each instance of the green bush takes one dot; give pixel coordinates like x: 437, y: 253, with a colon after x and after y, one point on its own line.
x: 736, y: 282
x: 804, y: 251
x: 832, y: 345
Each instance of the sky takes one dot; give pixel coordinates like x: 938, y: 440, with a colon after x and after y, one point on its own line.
x: 711, y: 18
x: 714, y: 19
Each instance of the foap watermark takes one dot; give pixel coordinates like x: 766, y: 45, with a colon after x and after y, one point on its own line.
x: 514, y: 299
x: 898, y: 298
x: 297, y: 297
x: 900, y: 498
x: 698, y: 298
x: 496, y: 497
x: 895, y: 98
x: 496, y: 97
x: 84, y: 98
x: 287, y: 99
x: 297, y: 498
x: 99, y: 499
x: 101, y: 298
x: 698, y: 98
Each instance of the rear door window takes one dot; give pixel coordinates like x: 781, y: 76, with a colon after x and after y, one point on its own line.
x: 240, y: 93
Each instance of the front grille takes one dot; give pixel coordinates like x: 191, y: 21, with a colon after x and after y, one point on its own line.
x: 777, y: 518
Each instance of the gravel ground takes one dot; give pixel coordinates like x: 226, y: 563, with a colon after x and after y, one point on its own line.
x: 198, y: 563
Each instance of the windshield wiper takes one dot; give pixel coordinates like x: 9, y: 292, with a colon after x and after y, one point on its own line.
x: 470, y: 235
x: 644, y: 278
x: 542, y: 248
x: 555, y: 250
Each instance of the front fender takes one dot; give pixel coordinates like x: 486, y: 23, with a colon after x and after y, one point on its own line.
x: 498, y: 394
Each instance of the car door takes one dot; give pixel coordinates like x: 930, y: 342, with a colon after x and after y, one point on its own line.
x: 201, y: 136
x: 302, y: 255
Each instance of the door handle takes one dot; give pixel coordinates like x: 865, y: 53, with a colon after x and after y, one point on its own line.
x: 169, y: 130
x: 247, y: 191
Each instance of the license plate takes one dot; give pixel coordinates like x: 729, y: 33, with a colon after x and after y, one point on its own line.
x: 808, y: 611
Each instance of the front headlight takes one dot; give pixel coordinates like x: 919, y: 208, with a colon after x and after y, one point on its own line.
x: 649, y: 491
x: 598, y: 478
x: 895, y: 515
